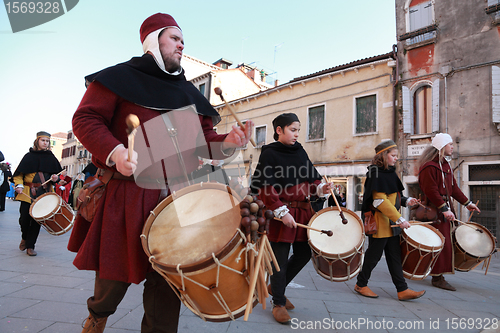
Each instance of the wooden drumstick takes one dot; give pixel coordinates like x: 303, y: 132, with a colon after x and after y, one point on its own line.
x: 415, y: 223
x: 255, y: 275
x: 329, y: 233
x: 218, y: 91
x: 344, y: 220
x: 26, y: 195
x: 273, y: 257
x: 51, y: 179
x: 468, y: 225
x: 470, y: 216
x: 132, y: 122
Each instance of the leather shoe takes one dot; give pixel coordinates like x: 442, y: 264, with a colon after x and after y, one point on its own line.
x: 22, y: 245
x: 31, y: 252
x: 95, y: 325
x: 365, y: 291
x: 288, y: 305
x: 410, y: 294
x: 440, y: 282
x: 281, y: 314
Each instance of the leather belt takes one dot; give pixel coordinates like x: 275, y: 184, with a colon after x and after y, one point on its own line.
x: 297, y: 204
x: 105, y: 175
x: 33, y: 184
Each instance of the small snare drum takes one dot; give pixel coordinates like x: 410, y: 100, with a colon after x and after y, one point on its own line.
x: 420, y: 248
x: 52, y: 213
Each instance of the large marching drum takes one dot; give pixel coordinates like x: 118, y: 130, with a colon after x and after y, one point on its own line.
x: 420, y: 248
x: 472, y: 244
x: 339, y: 257
x: 193, y: 241
x: 52, y: 213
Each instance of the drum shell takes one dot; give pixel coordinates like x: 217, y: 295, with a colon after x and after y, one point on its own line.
x: 419, y: 259
x: 337, y: 267
x: 463, y: 260
x: 232, y: 287
x: 58, y: 221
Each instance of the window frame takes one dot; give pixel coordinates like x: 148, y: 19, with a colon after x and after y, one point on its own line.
x: 355, y: 114
x: 308, y: 120
x: 255, y: 135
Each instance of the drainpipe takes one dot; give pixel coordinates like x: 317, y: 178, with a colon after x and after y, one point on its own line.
x: 446, y: 102
x: 394, y: 84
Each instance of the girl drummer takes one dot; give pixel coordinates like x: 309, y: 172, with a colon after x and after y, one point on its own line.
x: 436, y: 180
x: 284, y: 180
x: 37, y: 166
x: 383, y: 197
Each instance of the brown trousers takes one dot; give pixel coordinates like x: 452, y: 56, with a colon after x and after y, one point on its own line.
x: 161, y: 304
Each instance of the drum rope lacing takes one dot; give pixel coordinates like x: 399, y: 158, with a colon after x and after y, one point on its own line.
x: 434, y: 255
x: 331, y: 261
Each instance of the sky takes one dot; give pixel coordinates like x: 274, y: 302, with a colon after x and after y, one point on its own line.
x: 42, y: 69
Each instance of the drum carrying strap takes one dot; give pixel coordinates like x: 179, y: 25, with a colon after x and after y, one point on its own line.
x: 172, y: 132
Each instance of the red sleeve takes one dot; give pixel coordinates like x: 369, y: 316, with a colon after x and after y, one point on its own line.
x: 213, y: 139
x: 92, y: 120
x: 270, y: 197
x: 457, y: 193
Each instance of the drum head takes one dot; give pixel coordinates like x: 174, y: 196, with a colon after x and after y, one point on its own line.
x: 423, y: 235
x: 193, y: 223
x: 479, y: 244
x: 45, y: 205
x: 346, y: 237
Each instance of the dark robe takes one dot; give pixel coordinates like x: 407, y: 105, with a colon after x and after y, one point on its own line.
x: 285, y: 173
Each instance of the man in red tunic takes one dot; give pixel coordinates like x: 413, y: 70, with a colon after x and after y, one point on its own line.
x: 438, y: 184
x: 149, y: 87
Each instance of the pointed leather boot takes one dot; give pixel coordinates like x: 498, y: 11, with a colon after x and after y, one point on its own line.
x: 288, y: 305
x: 440, y: 282
x: 365, y: 291
x: 410, y: 294
x: 281, y: 315
x: 94, y: 325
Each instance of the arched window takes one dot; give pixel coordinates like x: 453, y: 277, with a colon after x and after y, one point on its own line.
x: 421, y: 108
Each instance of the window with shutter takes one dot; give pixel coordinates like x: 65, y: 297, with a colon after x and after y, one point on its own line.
x: 366, y: 114
x: 495, y: 93
x: 260, y: 135
x: 316, y: 123
x: 421, y: 16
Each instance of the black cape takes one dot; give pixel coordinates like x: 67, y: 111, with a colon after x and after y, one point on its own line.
x: 142, y: 82
x: 38, y: 161
x: 283, y: 166
x: 380, y: 180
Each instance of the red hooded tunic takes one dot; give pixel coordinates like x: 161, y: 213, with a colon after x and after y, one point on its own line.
x: 430, y: 179
x: 111, y: 244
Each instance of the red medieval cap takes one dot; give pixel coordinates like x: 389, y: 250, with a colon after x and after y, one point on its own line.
x: 155, y: 22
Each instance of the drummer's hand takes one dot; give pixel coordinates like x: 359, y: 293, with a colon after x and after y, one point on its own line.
x: 62, y: 188
x: 54, y: 178
x: 237, y: 137
x: 471, y: 207
x: 326, y: 188
x: 449, y: 216
x: 289, y: 221
x: 405, y: 224
x: 120, y: 156
x: 412, y: 202
x: 19, y: 190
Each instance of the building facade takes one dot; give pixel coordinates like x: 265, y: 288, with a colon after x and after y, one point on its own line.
x: 449, y: 78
